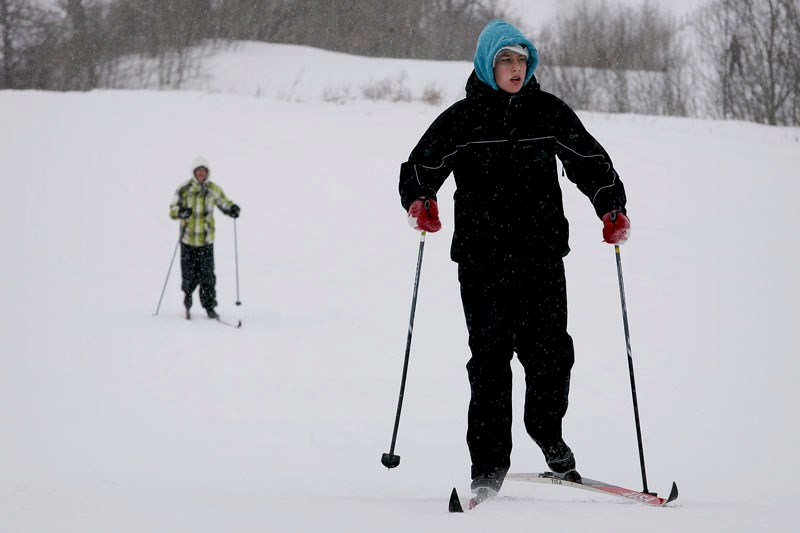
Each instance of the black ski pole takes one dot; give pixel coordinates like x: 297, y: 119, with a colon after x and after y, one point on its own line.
x: 236, y: 258
x: 630, y: 368
x: 390, y: 460
x: 169, y: 270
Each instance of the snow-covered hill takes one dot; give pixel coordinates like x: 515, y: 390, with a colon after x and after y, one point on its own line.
x: 112, y: 419
x: 301, y: 74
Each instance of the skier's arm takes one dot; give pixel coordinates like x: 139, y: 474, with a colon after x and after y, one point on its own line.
x: 176, y: 204
x: 587, y: 164
x: 430, y: 162
x: 224, y: 203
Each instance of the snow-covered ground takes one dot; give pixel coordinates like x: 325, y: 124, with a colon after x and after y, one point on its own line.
x: 113, y: 420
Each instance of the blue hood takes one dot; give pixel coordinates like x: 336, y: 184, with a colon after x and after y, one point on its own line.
x: 497, y: 34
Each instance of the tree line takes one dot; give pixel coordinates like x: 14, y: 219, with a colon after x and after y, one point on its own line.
x: 617, y: 58
x: 737, y: 59
x: 420, y: 29
x: 751, y: 54
x: 85, y: 44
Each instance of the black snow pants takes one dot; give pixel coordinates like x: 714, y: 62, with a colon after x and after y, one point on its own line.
x: 197, y: 268
x: 522, y: 310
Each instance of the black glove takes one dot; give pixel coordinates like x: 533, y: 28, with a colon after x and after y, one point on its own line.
x: 184, y: 212
x: 234, y: 211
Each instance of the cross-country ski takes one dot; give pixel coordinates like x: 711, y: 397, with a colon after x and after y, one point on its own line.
x: 598, y: 486
x: 483, y: 494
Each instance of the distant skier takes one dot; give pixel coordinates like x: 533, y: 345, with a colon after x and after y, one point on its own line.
x: 735, y: 52
x: 510, y: 237
x: 193, y: 205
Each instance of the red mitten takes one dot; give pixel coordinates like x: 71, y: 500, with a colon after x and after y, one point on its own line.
x: 423, y: 215
x: 616, y: 228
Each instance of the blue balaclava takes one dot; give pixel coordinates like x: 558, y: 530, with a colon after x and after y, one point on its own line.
x: 496, y: 35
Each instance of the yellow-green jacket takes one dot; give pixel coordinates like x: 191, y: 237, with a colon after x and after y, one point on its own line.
x: 198, y: 229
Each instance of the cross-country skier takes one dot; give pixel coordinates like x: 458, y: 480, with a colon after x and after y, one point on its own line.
x: 193, y: 204
x: 509, y: 240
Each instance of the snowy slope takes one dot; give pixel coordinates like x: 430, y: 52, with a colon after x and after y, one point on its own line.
x: 301, y: 74
x: 112, y: 419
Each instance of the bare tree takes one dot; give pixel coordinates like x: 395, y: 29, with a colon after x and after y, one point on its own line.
x: 251, y: 20
x: 793, y: 57
x: 28, y: 36
x: 80, y: 47
x: 5, y: 42
x: 155, y: 42
x: 16, y: 20
x: 615, y: 58
x: 429, y: 29
x: 751, y: 49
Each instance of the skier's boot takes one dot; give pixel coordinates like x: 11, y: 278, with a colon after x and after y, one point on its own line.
x: 561, y: 461
x: 481, y: 495
x: 211, y: 313
x: 488, y: 481
x: 188, y: 314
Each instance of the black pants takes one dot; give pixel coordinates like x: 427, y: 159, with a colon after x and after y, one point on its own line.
x: 522, y: 310
x: 197, y: 268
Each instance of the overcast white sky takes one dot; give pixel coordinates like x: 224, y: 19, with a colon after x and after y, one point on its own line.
x: 536, y: 12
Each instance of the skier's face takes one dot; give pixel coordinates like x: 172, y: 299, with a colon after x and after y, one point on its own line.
x: 509, y: 71
x: 201, y: 173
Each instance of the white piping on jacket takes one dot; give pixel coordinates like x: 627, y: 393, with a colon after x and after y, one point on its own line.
x: 460, y: 146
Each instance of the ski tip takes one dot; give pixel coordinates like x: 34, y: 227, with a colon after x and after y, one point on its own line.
x: 673, y: 494
x: 455, y: 503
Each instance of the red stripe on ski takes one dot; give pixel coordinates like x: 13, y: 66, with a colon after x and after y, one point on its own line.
x: 597, y: 486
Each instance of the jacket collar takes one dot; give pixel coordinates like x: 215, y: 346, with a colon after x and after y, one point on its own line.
x: 195, y: 185
x: 476, y: 89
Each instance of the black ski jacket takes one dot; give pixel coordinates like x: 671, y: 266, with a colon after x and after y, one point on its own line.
x: 502, y: 149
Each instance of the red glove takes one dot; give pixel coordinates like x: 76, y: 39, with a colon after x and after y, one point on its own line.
x: 423, y: 215
x: 616, y: 228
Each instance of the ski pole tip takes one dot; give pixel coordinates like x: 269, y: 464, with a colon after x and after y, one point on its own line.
x: 390, y: 460
x: 454, y: 506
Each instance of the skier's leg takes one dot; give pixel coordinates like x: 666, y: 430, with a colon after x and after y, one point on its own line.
x: 189, y: 273
x: 546, y: 351
x: 489, y: 370
x: 207, y: 279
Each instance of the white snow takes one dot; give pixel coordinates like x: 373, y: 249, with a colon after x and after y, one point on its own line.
x: 113, y: 420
